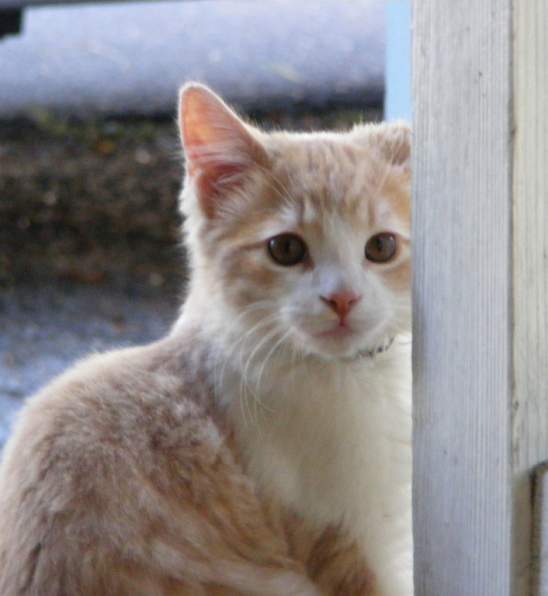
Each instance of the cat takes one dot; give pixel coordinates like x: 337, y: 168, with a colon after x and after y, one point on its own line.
x: 263, y: 446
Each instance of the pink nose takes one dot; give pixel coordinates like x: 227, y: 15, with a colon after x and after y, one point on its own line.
x: 342, y: 302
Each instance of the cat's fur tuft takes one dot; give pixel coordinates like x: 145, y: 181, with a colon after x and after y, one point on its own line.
x: 259, y: 449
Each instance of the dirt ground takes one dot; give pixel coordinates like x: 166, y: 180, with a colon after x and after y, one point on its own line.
x: 96, y: 201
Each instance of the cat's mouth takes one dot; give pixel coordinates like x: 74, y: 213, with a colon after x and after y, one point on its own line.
x: 339, y: 340
x: 347, y: 340
x: 342, y: 330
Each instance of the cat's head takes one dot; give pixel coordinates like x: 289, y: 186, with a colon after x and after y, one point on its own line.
x: 300, y: 238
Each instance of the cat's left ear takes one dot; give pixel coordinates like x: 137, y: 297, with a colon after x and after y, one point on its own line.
x: 392, y: 139
x: 220, y: 148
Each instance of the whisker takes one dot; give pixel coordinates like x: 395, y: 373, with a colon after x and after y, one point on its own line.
x: 238, y: 345
x: 220, y: 372
x: 268, y: 356
x: 244, y: 385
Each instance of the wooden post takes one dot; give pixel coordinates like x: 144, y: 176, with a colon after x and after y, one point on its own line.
x: 480, y: 362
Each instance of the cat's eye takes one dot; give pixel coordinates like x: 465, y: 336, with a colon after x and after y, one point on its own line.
x: 287, y: 249
x: 381, y: 248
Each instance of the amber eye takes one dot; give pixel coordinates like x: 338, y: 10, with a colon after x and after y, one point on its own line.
x: 381, y: 248
x: 287, y: 249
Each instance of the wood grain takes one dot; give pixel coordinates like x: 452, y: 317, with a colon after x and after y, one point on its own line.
x: 530, y: 288
x: 462, y: 297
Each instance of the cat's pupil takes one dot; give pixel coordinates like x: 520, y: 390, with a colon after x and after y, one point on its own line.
x: 287, y: 249
x: 381, y: 248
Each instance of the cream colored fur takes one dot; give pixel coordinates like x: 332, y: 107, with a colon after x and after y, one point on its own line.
x: 332, y: 440
x: 249, y: 452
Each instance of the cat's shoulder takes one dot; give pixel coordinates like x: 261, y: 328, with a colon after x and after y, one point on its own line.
x: 133, y: 405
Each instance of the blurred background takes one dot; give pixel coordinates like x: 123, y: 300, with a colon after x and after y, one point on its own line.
x: 90, y: 163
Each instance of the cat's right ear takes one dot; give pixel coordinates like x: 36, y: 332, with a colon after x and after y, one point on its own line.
x: 392, y: 139
x: 220, y: 149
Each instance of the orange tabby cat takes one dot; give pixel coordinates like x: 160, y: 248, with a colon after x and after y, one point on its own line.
x: 263, y: 447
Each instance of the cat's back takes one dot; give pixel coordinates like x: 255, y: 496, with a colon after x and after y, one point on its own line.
x: 122, y: 408
x: 97, y: 465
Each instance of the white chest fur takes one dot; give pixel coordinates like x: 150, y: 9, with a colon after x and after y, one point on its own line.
x: 333, y: 441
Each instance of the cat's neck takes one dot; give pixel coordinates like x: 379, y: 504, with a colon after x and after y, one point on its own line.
x: 303, y: 406
x: 332, y: 441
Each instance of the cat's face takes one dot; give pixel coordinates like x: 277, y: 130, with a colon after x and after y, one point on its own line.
x: 304, y: 239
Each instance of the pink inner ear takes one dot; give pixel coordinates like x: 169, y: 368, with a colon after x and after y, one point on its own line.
x: 219, y: 148
x: 213, y: 182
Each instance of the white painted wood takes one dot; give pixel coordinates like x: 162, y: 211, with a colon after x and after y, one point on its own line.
x: 462, y: 317
x: 530, y: 300
x: 481, y: 297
